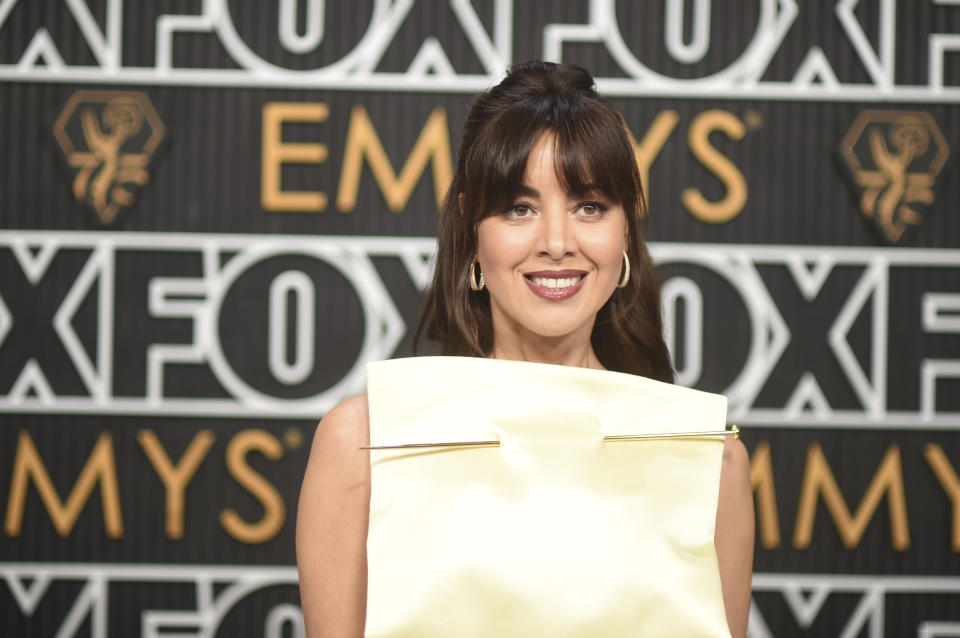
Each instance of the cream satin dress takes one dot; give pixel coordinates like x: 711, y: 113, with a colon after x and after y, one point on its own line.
x: 555, y: 532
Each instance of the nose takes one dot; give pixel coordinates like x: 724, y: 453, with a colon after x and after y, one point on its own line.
x: 557, y: 235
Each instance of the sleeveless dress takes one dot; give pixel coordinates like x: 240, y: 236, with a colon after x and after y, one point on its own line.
x: 555, y: 532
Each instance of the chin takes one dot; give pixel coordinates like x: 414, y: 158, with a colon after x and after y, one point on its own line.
x: 554, y: 330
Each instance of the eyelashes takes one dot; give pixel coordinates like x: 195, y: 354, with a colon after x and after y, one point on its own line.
x: 598, y: 208
x: 515, y: 209
x: 589, y: 208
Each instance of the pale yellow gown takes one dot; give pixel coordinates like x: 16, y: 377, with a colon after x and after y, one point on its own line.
x: 555, y: 532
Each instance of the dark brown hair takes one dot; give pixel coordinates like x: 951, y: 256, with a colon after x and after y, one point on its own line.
x: 591, y: 148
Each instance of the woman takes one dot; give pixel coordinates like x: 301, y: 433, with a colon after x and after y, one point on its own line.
x: 540, y: 258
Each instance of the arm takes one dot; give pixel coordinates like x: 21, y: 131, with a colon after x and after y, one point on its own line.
x: 332, y: 520
x: 733, y: 536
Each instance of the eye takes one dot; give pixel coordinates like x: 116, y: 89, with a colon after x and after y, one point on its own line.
x: 591, y: 209
x: 519, y: 210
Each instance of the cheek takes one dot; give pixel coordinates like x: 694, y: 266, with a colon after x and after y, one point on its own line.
x: 607, y: 251
x: 609, y: 244
x: 499, y: 250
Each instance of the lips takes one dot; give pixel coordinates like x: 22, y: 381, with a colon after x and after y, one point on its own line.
x: 555, y: 284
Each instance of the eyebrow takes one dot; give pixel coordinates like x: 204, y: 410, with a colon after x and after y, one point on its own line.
x: 527, y: 190
x: 588, y: 189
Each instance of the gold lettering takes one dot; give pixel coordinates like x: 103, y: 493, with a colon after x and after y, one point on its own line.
x: 818, y: 479
x: 275, y: 153
x: 653, y: 140
x: 761, y: 478
x: 175, y: 477
x: 363, y: 142
x: 100, y: 466
x: 273, y: 506
x: 947, y: 476
x: 718, y: 164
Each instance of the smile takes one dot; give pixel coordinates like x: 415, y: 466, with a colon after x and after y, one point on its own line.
x: 548, y: 282
x: 555, y: 285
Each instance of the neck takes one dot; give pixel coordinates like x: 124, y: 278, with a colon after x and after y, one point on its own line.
x: 564, y: 351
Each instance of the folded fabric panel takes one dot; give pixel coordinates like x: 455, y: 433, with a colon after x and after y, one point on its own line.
x: 554, y: 531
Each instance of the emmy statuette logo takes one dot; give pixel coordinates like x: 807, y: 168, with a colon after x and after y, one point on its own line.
x: 894, y: 158
x: 108, y: 139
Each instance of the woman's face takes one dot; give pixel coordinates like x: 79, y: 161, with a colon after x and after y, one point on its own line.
x: 553, y: 258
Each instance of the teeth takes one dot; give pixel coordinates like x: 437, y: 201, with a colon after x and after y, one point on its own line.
x: 553, y: 282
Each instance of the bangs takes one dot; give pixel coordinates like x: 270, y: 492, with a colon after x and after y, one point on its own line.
x: 591, y: 155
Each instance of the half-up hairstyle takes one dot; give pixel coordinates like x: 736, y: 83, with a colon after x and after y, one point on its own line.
x: 592, y: 150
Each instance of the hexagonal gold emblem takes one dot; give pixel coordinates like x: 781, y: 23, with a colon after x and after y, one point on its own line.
x: 894, y: 157
x: 108, y: 139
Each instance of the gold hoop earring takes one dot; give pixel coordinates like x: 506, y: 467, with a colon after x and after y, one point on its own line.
x: 476, y: 285
x: 626, y: 271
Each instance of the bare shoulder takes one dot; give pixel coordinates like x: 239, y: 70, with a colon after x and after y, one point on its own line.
x: 736, y: 460
x: 354, y: 406
x: 345, y: 426
x: 338, y: 470
x: 736, y: 492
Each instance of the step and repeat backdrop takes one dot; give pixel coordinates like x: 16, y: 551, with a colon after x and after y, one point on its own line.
x: 215, y: 212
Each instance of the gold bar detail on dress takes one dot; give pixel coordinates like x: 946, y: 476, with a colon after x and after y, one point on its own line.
x: 735, y: 431
x: 406, y: 446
